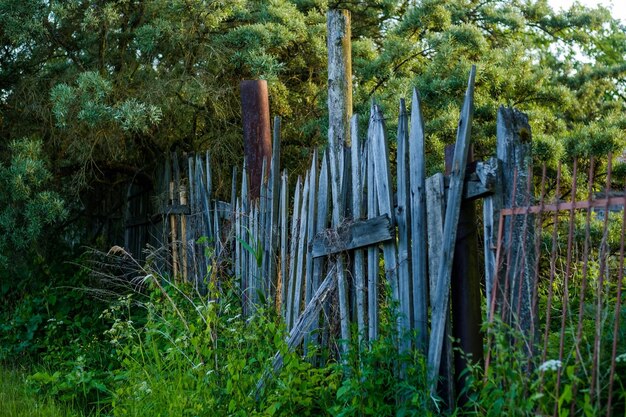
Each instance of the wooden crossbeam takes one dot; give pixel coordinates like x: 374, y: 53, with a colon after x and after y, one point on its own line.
x: 352, y: 235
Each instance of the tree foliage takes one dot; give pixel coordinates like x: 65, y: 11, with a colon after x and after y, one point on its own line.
x: 110, y: 84
x: 26, y: 205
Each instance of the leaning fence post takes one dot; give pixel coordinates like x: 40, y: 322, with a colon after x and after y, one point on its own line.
x: 465, y: 287
x: 514, y: 150
x: 453, y: 206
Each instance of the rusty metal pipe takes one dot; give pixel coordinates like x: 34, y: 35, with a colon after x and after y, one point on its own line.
x: 257, y: 143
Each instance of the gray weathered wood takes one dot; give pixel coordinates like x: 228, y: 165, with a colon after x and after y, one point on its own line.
x: 339, y: 85
x: 305, y: 321
x: 252, y: 261
x: 301, y: 254
x: 203, y: 206
x: 418, y: 223
x: 321, y: 222
x: 262, y: 229
x: 244, y: 236
x: 207, y: 172
x: 274, y: 196
x: 403, y: 222
x: 435, y: 209
x: 372, y: 251
x: 237, y: 225
x: 353, y: 235
x: 310, y: 228
x: 357, y: 202
x: 344, y: 309
x: 382, y: 174
x: 233, y: 189
x: 492, y: 204
x: 453, y: 206
x: 293, y: 242
x: 308, y: 291
x: 339, y: 113
x: 204, y: 199
x: 284, y: 227
x: 514, y: 149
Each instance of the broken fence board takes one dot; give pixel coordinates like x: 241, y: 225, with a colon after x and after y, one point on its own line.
x: 352, y: 235
x: 304, y: 322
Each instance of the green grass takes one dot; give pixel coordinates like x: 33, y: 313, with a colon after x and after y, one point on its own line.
x: 17, y: 401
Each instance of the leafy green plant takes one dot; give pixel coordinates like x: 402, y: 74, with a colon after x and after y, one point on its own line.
x: 505, y: 387
x: 26, y: 203
x: 18, y: 401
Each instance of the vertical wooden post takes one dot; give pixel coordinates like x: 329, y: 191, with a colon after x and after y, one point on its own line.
x: 339, y: 81
x: 403, y: 220
x: 339, y: 113
x: 492, y: 205
x: 256, y: 130
x: 418, y: 223
x: 357, y: 203
x: 372, y: 252
x: 273, y: 196
x: 465, y: 286
x: 514, y: 145
x: 435, y: 209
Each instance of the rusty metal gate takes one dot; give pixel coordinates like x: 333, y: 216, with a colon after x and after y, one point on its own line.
x: 568, y: 261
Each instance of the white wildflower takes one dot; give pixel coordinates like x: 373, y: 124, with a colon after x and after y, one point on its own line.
x: 550, y: 365
x: 144, y: 388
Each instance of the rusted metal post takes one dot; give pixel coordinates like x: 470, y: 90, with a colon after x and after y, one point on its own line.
x: 465, y: 284
x: 257, y: 142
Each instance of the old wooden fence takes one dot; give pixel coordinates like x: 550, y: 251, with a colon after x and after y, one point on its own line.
x: 323, y: 252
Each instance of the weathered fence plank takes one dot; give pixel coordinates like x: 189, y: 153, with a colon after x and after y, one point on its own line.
x: 403, y: 222
x: 274, y: 197
x: 453, y: 207
x: 357, y: 203
x: 417, y: 199
x: 435, y: 209
x: 306, y: 319
x: 301, y: 254
x: 320, y: 224
x: 380, y: 154
x: 284, y: 226
x: 514, y: 150
x: 352, y: 235
x: 310, y: 228
x: 372, y: 251
x: 293, y: 244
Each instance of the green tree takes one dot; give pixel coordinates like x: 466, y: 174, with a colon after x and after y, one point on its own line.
x: 26, y: 203
x: 111, y: 86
